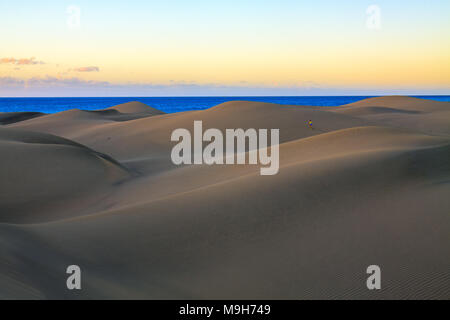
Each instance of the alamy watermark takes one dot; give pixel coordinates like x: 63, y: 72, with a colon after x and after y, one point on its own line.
x: 74, y: 17
x: 73, y: 282
x: 233, y: 150
x: 374, y: 280
x: 373, y: 21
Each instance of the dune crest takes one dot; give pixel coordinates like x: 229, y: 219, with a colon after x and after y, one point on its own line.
x: 135, y: 107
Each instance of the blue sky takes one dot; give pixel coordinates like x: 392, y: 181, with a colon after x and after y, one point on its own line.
x: 224, y: 47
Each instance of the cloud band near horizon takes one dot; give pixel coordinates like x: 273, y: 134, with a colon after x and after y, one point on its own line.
x: 72, y: 87
x: 87, y: 69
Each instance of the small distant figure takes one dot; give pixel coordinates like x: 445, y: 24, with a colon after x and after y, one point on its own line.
x: 310, y: 124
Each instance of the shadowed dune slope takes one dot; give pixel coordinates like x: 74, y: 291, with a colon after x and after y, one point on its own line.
x: 42, y: 176
x: 12, y: 117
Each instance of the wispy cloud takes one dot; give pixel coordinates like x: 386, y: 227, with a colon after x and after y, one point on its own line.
x: 21, y: 61
x: 87, y: 69
x: 74, y: 86
x: 11, y: 82
x: 62, y: 82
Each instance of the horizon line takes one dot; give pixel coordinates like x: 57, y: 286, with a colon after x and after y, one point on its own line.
x: 231, y: 96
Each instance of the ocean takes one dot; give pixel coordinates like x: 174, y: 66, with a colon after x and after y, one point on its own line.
x: 169, y: 104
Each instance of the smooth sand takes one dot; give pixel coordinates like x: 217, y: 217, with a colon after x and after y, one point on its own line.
x: 370, y: 184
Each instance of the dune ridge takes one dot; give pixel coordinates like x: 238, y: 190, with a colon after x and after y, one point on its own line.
x: 368, y: 184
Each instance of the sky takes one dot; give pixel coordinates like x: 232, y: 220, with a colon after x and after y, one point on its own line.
x: 208, y: 48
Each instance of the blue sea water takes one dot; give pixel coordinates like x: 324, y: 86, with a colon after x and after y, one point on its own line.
x: 169, y: 104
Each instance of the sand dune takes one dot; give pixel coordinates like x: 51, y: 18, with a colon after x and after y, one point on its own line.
x: 405, y: 112
x: 77, y: 121
x: 401, y: 102
x: 145, y: 143
x: 368, y: 185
